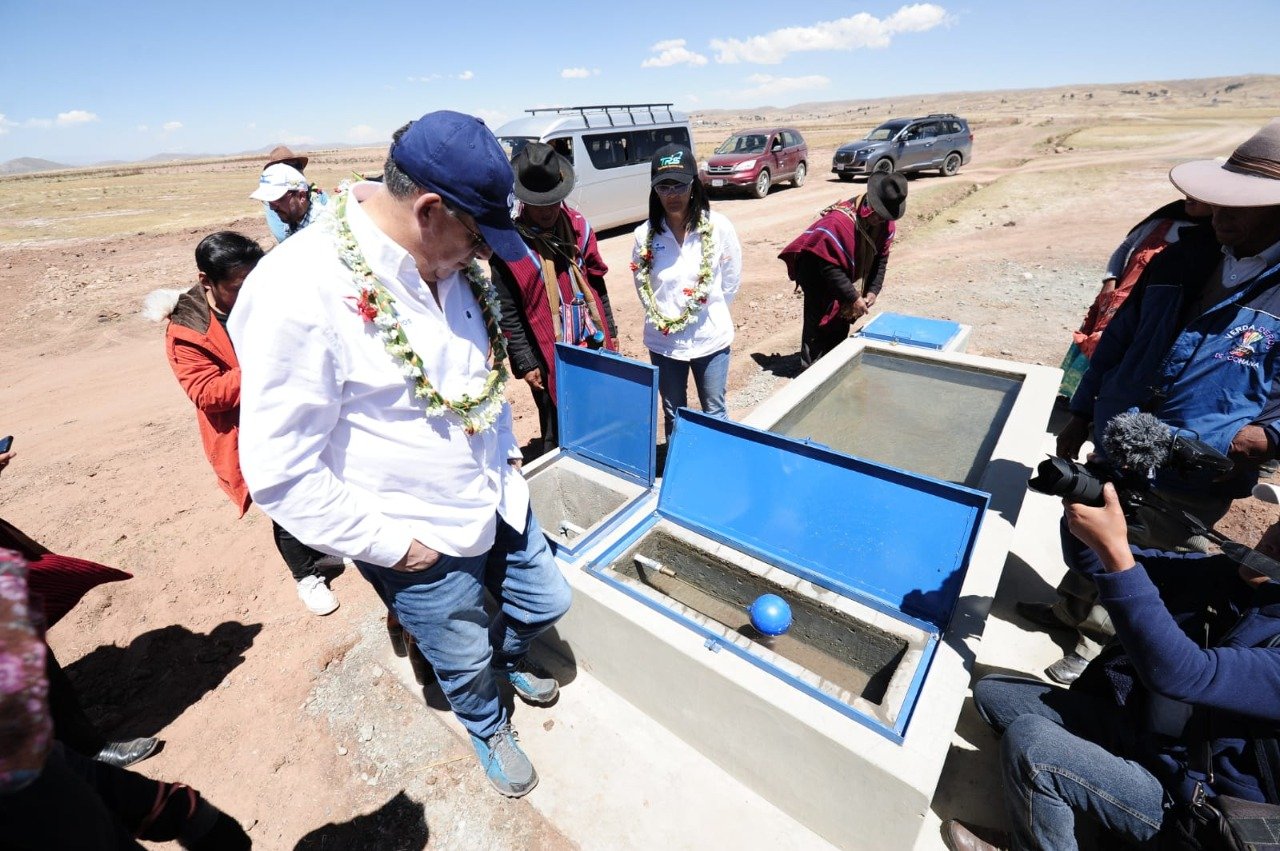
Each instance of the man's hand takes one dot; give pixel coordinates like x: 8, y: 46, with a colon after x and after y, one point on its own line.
x: 1108, y: 286
x: 1072, y: 437
x: 1250, y: 445
x: 1103, y: 529
x: 5, y: 458
x: 419, y: 557
x: 516, y: 462
x: 534, y: 377
x: 853, y: 310
x: 870, y: 299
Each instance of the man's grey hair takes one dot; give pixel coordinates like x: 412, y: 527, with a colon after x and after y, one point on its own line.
x: 399, y: 184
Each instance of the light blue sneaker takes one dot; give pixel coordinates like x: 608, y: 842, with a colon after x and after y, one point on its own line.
x: 533, y: 684
x: 506, y: 765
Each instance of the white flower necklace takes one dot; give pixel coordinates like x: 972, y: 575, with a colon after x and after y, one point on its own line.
x: 697, y: 293
x: 378, y: 307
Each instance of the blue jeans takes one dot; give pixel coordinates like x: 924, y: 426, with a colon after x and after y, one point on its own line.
x: 443, y: 608
x: 710, y: 376
x: 1059, y: 757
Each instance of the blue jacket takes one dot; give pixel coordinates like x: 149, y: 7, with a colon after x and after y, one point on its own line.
x: 1210, y: 374
x: 1159, y: 609
x: 282, y: 231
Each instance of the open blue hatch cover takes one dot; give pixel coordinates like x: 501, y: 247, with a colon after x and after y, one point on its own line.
x: 873, y: 532
x: 608, y: 410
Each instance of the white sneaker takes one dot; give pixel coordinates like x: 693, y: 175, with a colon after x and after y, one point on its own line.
x: 317, y: 596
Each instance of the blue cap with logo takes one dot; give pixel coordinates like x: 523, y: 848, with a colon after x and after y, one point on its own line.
x: 456, y: 157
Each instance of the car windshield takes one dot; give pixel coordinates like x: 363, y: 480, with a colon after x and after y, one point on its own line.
x: 743, y: 143
x: 515, y: 144
x: 886, y: 131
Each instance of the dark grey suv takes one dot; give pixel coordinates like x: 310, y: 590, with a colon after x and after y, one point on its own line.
x: 940, y: 141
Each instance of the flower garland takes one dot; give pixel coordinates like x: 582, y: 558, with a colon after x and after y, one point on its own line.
x: 377, y: 306
x: 697, y: 293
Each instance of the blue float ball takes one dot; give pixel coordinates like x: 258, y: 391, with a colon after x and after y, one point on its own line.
x: 770, y: 614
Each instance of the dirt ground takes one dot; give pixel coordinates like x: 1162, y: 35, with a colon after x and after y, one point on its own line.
x: 286, y: 720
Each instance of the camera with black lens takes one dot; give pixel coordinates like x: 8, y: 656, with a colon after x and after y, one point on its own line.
x: 1137, y: 445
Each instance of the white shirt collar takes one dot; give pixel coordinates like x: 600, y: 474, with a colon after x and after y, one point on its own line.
x: 387, y: 258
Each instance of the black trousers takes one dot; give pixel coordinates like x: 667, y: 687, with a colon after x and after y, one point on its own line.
x: 816, y: 340
x: 70, y: 725
x: 300, y: 558
x: 547, y: 423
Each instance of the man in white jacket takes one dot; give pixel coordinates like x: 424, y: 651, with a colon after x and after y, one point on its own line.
x: 374, y: 423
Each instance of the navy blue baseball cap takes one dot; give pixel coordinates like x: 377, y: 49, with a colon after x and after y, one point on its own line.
x: 456, y: 157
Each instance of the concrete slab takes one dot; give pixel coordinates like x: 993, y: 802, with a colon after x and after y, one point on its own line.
x: 612, y: 777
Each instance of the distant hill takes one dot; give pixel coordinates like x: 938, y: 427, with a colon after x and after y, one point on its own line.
x: 26, y: 165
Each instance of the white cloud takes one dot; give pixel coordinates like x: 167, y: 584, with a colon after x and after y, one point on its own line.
x: 170, y: 126
x: 579, y: 73
x: 38, y: 123
x: 252, y: 125
x: 672, y: 52
x: 365, y: 133
x: 857, y: 31
x: 767, y: 86
x: 5, y: 124
x: 466, y: 75
x: 429, y: 78
x: 492, y: 117
x: 142, y: 128
x: 75, y: 116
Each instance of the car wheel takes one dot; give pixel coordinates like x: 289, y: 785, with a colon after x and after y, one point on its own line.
x: 884, y: 165
x: 761, y: 187
x: 950, y: 165
x: 847, y: 178
x: 802, y: 171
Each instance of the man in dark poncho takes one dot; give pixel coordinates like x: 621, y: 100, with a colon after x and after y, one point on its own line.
x: 840, y: 260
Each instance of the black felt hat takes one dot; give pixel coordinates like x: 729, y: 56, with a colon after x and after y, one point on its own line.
x: 887, y: 195
x: 543, y: 176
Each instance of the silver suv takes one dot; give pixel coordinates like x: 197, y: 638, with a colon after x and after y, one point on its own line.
x: 940, y: 141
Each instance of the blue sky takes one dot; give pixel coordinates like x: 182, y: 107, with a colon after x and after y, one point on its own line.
x: 82, y: 82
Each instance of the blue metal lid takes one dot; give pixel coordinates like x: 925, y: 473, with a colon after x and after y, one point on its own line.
x: 897, y: 540
x: 608, y: 410
x: 911, y: 330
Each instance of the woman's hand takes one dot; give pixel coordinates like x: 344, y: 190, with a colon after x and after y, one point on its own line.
x: 5, y: 458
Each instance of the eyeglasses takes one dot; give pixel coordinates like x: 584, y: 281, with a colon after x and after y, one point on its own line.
x: 477, y: 239
x: 670, y: 187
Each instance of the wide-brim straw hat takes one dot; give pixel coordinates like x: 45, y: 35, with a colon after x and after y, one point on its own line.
x: 1250, y: 177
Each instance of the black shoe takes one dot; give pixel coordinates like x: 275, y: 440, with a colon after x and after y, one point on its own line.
x: 1067, y: 669
x: 1041, y: 614
x: 124, y: 754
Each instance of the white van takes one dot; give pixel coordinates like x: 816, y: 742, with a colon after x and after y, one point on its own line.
x: 610, y: 147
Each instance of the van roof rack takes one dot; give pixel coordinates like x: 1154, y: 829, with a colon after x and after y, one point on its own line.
x: 941, y: 115
x: 610, y: 111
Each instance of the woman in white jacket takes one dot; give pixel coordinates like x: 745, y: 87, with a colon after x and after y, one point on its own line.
x: 687, y: 263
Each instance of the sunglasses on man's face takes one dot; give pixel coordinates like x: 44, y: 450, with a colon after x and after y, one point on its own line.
x: 477, y: 239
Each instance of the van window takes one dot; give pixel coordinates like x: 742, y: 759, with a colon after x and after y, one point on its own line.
x: 563, y: 146
x: 607, y: 150
x: 647, y: 142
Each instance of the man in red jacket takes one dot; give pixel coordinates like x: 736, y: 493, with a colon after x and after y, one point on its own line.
x: 556, y: 292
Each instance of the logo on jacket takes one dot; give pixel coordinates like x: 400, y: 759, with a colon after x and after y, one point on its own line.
x: 1248, y: 342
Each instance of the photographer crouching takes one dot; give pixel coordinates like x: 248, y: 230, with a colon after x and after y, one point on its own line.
x: 1194, y: 345
x: 1181, y: 710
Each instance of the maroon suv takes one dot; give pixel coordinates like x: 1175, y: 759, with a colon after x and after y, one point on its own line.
x: 756, y: 159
